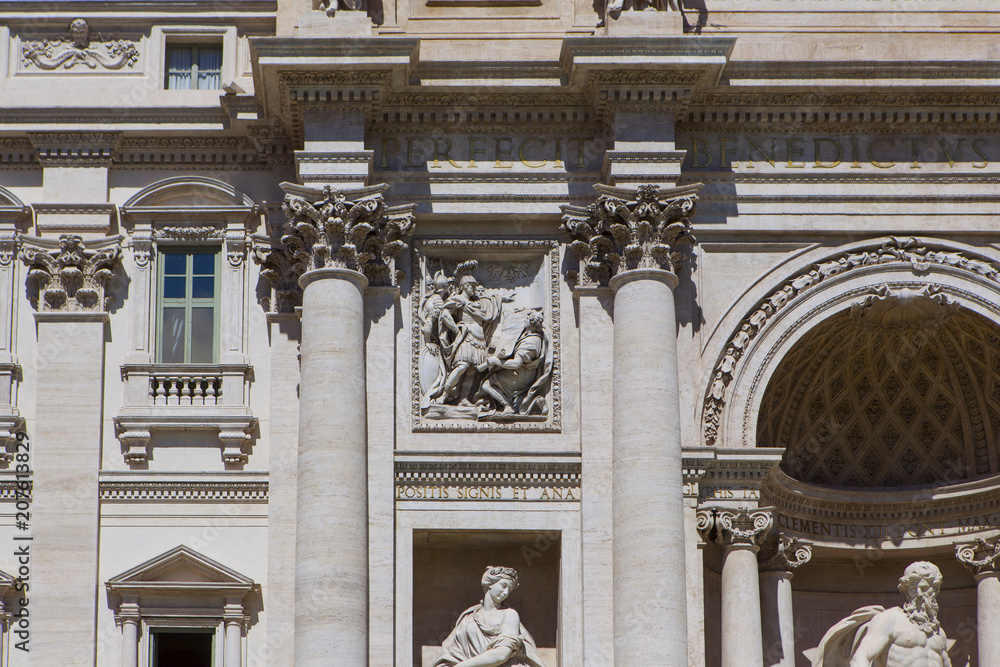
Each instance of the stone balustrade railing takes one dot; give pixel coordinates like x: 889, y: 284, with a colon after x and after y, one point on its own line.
x: 186, y: 396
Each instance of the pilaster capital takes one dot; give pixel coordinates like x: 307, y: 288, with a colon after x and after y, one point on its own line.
x: 783, y: 554
x: 349, y: 229
x: 626, y: 229
x: 282, y: 268
x: 740, y: 528
x: 72, y: 277
x: 981, y: 557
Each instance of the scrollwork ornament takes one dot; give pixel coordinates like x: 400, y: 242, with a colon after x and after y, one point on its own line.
x: 980, y: 557
x: 79, y: 49
x: 362, y: 235
x: 784, y: 554
x: 741, y: 527
x: 625, y: 230
x: 71, y: 277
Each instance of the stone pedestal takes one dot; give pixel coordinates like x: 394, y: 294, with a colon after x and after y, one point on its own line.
x: 643, y: 23
x: 341, y: 24
x: 331, y: 561
x: 66, y: 447
x: 648, y: 499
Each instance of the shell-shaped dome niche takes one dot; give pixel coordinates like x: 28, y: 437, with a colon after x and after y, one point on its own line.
x: 901, y: 390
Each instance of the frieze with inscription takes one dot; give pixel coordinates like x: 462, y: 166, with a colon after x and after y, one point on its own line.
x: 756, y: 153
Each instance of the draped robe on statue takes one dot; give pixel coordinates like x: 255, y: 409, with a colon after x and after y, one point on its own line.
x: 472, y: 637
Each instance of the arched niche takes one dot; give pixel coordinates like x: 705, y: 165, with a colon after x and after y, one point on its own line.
x: 819, y: 290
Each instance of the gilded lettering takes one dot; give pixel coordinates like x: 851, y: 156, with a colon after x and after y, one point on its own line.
x: 818, y: 149
x: 977, y: 151
x: 871, y: 156
x: 445, y: 154
x: 699, y: 147
x: 951, y: 157
x: 753, y: 145
x: 725, y: 152
x: 386, y: 152
x: 524, y: 160
x: 475, y: 151
x: 504, y: 153
x: 795, y: 153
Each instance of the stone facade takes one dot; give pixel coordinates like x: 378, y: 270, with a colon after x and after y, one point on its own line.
x: 679, y: 320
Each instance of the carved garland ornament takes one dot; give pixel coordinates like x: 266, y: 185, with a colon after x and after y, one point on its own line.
x: 891, y: 250
x: 625, y: 230
x: 784, y: 554
x: 980, y: 557
x: 70, y: 277
x: 334, y: 232
x: 81, y: 49
x: 741, y: 527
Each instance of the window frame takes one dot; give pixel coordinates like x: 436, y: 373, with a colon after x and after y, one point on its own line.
x: 194, y: 71
x: 189, y: 251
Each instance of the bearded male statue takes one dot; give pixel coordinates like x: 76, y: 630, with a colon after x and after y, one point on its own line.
x: 906, y: 636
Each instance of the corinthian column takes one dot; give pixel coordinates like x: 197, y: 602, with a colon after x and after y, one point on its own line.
x: 740, y: 533
x: 629, y: 241
x: 982, y: 557
x: 344, y: 241
x: 778, y: 558
x: 70, y: 320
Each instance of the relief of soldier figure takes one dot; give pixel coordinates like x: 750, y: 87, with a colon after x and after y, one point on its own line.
x: 466, y: 368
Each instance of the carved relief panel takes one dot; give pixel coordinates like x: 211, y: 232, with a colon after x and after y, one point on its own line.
x: 485, y: 336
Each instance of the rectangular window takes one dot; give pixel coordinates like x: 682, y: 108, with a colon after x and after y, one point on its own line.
x: 180, y: 648
x: 194, y: 67
x: 188, y: 330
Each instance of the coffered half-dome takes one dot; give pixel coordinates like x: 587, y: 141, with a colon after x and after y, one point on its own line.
x: 901, y: 390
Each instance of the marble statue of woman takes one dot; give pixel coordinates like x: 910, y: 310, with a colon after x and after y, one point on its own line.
x: 489, y: 634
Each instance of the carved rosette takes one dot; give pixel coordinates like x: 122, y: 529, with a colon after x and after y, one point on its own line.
x: 352, y: 230
x: 740, y: 528
x: 282, y: 269
x: 783, y: 554
x: 625, y: 230
x: 981, y: 557
x: 71, y: 277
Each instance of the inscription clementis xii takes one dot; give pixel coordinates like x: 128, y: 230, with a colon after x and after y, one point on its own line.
x: 762, y: 152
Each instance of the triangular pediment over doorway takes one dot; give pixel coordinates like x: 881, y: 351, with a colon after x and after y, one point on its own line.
x: 180, y: 569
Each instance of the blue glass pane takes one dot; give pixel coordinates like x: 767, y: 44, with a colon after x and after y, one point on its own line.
x: 173, y: 287
x: 204, y: 264
x: 173, y: 336
x: 210, y: 58
x: 203, y: 287
x: 174, y: 264
x: 202, y: 335
x: 179, y: 58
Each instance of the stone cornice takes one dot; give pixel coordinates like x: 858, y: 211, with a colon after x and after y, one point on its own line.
x: 526, y: 473
x: 184, y: 491
x: 812, y: 502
